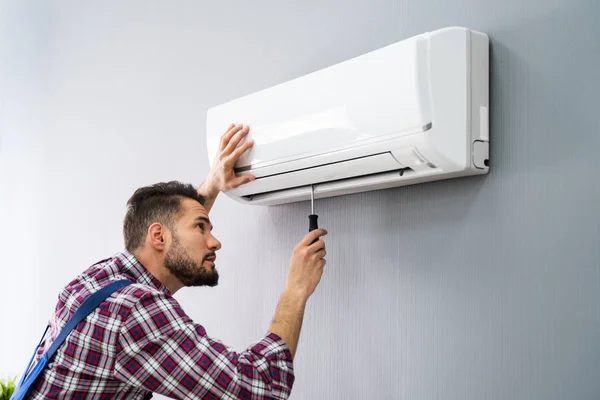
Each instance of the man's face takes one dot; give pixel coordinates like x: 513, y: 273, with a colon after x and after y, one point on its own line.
x: 191, y: 256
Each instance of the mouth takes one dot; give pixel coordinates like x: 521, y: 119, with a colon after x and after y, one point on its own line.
x: 211, y: 260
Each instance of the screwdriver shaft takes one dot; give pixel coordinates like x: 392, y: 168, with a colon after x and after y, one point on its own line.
x: 312, y: 199
x: 312, y: 218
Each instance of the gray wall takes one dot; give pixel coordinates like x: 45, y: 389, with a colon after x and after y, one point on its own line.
x: 478, y: 288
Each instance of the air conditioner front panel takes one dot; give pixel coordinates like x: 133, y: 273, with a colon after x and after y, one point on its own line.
x: 332, y: 109
x: 375, y: 146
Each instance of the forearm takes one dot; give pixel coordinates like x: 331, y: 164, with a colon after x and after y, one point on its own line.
x: 287, y: 322
x: 210, y: 194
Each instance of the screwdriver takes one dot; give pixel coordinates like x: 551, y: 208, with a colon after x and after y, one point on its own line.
x: 312, y: 218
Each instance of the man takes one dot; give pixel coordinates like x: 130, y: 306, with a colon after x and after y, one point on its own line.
x: 139, y: 341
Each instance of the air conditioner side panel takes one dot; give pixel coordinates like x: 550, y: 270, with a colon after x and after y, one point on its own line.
x: 459, y: 79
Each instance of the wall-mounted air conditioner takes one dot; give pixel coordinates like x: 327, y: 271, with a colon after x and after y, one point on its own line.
x: 412, y: 112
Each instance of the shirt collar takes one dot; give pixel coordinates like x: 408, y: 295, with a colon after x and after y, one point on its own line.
x: 130, y: 264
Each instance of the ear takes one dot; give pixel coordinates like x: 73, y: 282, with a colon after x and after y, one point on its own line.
x: 157, y: 236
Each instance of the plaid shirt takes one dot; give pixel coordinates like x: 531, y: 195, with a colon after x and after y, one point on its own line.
x: 140, y: 341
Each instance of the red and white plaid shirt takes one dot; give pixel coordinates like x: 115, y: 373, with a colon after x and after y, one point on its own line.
x: 140, y: 341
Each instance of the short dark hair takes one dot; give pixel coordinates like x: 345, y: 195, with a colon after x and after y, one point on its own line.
x: 161, y: 203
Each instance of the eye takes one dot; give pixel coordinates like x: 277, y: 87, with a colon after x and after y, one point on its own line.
x: 200, y: 225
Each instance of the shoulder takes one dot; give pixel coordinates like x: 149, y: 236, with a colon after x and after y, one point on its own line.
x: 137, y: 296
x: 144, y: 304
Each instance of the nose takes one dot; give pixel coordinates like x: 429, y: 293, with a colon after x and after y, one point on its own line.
x: 213, y: 243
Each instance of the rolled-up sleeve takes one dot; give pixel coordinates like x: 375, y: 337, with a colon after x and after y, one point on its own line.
x: 163, y: 351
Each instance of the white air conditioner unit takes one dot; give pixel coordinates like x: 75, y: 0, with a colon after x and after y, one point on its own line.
x: 411, y: 112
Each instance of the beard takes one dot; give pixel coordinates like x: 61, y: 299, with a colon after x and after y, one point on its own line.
x: 189, y: 272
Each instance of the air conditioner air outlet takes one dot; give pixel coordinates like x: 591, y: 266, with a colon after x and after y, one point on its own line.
x: 321, y: 189
x: 323, y: 173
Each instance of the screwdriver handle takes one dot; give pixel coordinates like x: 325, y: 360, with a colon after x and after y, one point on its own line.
x: 312, y: 222
x: 312, y: 218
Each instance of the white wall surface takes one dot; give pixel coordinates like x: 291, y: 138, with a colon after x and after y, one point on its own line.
x: 23, y: 118
x: 479, y: 288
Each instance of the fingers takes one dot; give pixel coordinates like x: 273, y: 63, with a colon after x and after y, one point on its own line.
x: 232, y: 138
x: 317, y: 246
x: 314, y: 254
x: 320, y: 257
x: 241, y: 180
x: 237, y: 153
x: 236, y: 139
x: 312, y: 236
x: 321, y: 253
x: 231, y: 130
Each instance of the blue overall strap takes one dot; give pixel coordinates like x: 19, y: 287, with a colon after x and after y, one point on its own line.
x: 33, y: 356
x: 86, y: 307
x: 83, y: 311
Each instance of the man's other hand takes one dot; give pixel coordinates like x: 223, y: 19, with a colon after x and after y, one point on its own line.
x: 221, y: 176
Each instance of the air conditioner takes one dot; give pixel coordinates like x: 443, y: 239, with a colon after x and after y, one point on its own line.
x: 411, y: 112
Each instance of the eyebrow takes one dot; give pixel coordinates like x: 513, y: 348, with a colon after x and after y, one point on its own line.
x: 204, y: 219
